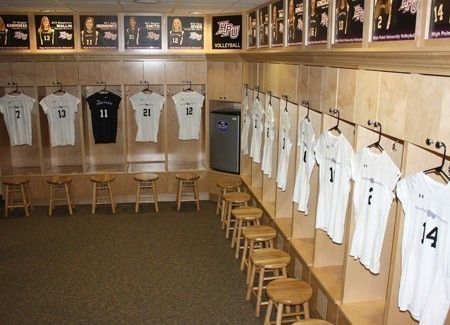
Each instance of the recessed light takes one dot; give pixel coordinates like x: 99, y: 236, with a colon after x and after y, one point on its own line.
x: 196, y: 12
x: 47, y: 10
x: 146, y: 1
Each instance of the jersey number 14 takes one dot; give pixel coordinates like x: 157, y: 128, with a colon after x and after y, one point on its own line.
x: 432, y: 235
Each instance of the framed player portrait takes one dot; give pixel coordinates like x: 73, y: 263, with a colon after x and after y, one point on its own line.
x: 295, y: 22
x: 185, y: 32
x: 142, y: 32
x: 251, y: 30
x: 227, y: 32
x: 263, y: 25
x: 440, y: 19
x: 394, y: 20
x: 54, y: 32
x: 318, y: 21
x: 98, y: 32
x: 277, y: 24
x: 349, y: 21
x: 14, y: 32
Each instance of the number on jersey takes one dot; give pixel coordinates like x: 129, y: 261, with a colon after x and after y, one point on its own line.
x: 189, y: 110
x: 341, y: 25
x: 17, y: 114
x: 439, y: 13
x: 332, y: 173
x: 103, y: 113
x: 370, y: 196
x: 146, y: 112
x: 380, y: 22
x: 62, y: 113
x: 432, y: 235
x: 47, y: 38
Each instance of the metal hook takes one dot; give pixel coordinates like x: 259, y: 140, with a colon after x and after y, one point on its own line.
x: 286, y: 106
x: 270, y: 96
x: 305, y: 103
x: 376, y: 125
x: 335, y: 111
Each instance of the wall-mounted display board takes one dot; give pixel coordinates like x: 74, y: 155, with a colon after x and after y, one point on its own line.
x: 440, y: 19
x: 394, y: 20
x: 54, y: 32
x: 227, y: 32
x: 277, y: 24
x: 295, y: 22
x: 185, y: 32
x: 98, y: 32
x: 251, y: 30
x: 318, y: 21
x: 349, y: 21
x: 14, y: 32
x: 142, y: 32
x: 263, y: 23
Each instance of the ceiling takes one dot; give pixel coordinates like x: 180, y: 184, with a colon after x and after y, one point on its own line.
x: 135, y: 6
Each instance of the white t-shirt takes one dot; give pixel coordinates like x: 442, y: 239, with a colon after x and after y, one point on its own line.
x: 147, y: 107
x: 269, y: 135
x: 375, y: 177
x: 189, y: 112
x: 426, y: 206
x: 257, y: 118
x: 60, y: 110
x: 246, y: 121
x: 16, y: 110
x: 334, y: 155
x: 285, y: 146
x: 306, y: 140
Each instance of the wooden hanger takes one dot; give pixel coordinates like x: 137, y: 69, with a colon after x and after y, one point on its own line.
x: 16, y: 90
x: 439, y: 169
x: 335, y: 111
x: 376, y: 144
x: 60, y: 90
x: 305, y: 103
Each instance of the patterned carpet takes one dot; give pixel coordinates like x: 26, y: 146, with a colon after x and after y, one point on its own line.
x: 153, y: 268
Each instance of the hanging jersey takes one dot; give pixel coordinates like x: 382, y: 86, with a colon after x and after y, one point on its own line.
x: 176, y: 38
x: 16, y: 112
x: 355, y: 18
x: 189, y: 112
x: 375, y: 177
x: 132, y: 37
x: 46, y: 38
x: 257, y: 128
x: 4, y: 37
x: 306, y: 140
x: 60, y: 110
x: 147, y: 110
x: 269, y: 135
x: 341, y: 21
x: 334, y: 155
x: 426, y: 207
x: 104, y: 107
x: 246, y: 121
x: 285, y: 150
x: 89, y: 38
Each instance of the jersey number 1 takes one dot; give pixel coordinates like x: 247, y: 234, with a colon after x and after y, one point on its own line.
x: 433, y: 234
x: 332, y: 173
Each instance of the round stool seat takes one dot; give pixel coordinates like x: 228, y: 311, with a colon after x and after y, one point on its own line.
x: 229, y: 184
x: 289, y: 291
x: 14, y: 181
x: 102, y: 178
x: 259, y: 233
x: 237, y: 197
x: 269, y: 256
x: 247, y: 213
x: 59, y: 180
x: 312, y: 321
x: 187, y: 176
x: 146, y: 177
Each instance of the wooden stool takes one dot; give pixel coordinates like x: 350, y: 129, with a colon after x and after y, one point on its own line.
x: 17, y: 185
x: 312, y: 321
x: 102, y: 183
x: 262, y: 261
x: 231, y: 200
x: 248, y: 215
x: 286, y: 293
x: 187, y: 180
x: 259, y: 235
x: 59, y: 184
x: 146, y: 181
x: 226, y: 186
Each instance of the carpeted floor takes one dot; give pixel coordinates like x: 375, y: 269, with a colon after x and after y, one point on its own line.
x: 153, y: 268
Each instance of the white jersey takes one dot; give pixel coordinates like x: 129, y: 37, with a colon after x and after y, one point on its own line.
x: 426, y: 206
x: 269, y: 135
x: 147, y: 110
x: 375, y: 177
x: 257, y: 119
x: 334, y: 155
x: 285, y: 146
x: 16, y: 112
x: 246, y: 121
x: 306, y: 140
x: 60, y: 110
x: 189, y: 112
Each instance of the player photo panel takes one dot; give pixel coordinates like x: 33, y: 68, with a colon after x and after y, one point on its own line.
x: 295, y: 22
x: 251, y: 30
x: 318, y: 21
x: 14, y: 33
x: 142, y: 32
x: 185, y: 32
x: 277, y: 23
x: 263, y: 24
x: 440, y: 19
x: 349, y: 21
x: 54, y: 32
x: 98, y: 32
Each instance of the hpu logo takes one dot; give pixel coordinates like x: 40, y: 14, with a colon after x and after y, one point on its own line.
x: 227, y: 29
x: 223, y: 126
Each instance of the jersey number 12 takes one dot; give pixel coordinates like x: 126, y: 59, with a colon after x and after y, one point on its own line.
x: 189, y: 110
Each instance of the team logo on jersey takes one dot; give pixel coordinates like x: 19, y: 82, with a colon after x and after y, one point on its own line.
x: 223, y: 126
x: 431, y: 214
x: 227, y: 29
x: 358, y: 14
x: 408, y: 6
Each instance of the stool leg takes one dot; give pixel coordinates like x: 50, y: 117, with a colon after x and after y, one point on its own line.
x: 249, y: 262
x: 24, y: 199
x: 138, y: 197
x: 268, y: 312
x: 223, y: 214
x: 197, y: 202
x: 155, y: 196
x: 219, y: 198
x: 7, y: 202
x: 259, y: 292
x: 94, y: 198
x: 27, y: 192
x: 238, y: 238
x: 227, y: 235
x: 111, y: 198
x: 244, y: 254
x: 279, y: 314
x: 180, y: 185
x: 69, y: 200
x: 250, y: 283
x: 50, y: 203
x: 271, y: 245
x: 306, y: 310
x: 233, y: 237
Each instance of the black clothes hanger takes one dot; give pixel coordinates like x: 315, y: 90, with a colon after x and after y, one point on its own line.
x: 376, y: 144
x: 60, y: 90
x: 246, y: 90
x: 190, y: 86
x: 439, y: 169
x: 286, y: 98
x: 147, y: 89
x: 257, y: 93
x: 335, y: 111
x: 104, y: 90
x: 306, y: 104
x: 270, y: 96
x: 16, y: 90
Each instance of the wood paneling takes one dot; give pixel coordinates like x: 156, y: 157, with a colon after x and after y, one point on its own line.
x: 314, y: 84
x: 175, y: 72
x: 366, y: 101
x: 111, y: 72
x: 67, y: 72
x: 196, y: 72
x: 6, y: 73
x: 328, y: 89
x: 23, y: 73
x: 346, y: 94
x: 288, y: 80
x: 154, y: 72
x: 133, y: 72
x: 44, y: 73
x: 302, y: 83
x: 89, y: 73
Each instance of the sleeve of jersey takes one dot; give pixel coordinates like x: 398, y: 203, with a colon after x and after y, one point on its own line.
x: 2, y: 106
x: 354, y: 164
x: 117, y: 100
x: 44, y: 105
x: 91, y: 100
x: 30, y: 103
x: 318, y: 151
x: 350, y: 155
x: 133, y: 101
x: 162, y: 100
x: 75, y: 102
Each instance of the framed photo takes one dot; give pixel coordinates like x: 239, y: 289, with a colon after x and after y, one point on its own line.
x: 295, y: 22
x: 14, y: 32
x: 142, y: 32
x: 440, y: 19
x: 98, y: 32
x: 251, y: 30
x: 227, y: 32
x: 318, y: 21
x: 277, y: 24
x: 263, y: 23
x: 349, y: 21
x: 185, y: 32
x: 54, y: 32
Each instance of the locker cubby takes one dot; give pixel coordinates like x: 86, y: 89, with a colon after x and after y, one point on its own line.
x: 144, y: 156
x: 61, y: 159
x: 103, y: 157
x: 246, y: 161
x: 24, y: 159
x: 257, y: 174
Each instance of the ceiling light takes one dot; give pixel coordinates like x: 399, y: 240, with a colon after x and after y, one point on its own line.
x: 47, y: 10
x: 196, y: 12
x: 146, y: 1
